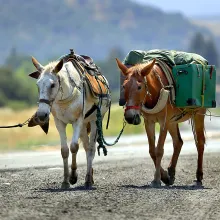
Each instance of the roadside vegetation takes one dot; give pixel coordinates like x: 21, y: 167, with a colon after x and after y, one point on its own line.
x: 26, y: 138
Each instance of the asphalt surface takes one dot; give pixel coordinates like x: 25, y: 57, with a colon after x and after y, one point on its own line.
x: 121, y: 191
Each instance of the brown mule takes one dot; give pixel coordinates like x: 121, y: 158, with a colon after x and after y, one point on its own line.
x: 142, y: 87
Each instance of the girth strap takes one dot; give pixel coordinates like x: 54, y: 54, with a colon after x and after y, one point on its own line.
x: 90, y: 111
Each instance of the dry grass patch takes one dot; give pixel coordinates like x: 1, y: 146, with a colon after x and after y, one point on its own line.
x: 33, y: 138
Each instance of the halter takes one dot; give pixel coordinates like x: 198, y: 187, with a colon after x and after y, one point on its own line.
x: 50, y: 102
x: 138, y: 107
x: 46, y: 101
x: 74, y: 85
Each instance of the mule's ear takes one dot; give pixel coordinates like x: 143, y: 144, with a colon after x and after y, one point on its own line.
x: 34, y: 75
x: 146, y: 70
x: 38, y: 66
x: 122, y: 67
x: 58, y: 67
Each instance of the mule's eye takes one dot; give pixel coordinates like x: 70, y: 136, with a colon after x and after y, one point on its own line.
x: 52, y: 85
x: 139, y: 87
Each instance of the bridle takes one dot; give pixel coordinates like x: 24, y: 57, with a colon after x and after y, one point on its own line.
x: 79, y: 87
x: 50, y: 102
x: 46, y: 101
x: 138, y: 107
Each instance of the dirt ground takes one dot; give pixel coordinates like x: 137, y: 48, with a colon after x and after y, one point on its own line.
x: 121, y: 191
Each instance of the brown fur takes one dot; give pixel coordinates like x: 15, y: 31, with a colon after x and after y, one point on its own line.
x: 88, y: 128
x: 134, y: 80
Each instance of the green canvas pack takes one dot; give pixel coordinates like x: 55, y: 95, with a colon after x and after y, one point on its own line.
x: 170, y: 57
x: 195, y: 80
x: 195, y: 85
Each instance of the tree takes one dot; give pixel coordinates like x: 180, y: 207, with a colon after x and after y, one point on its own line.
x: 111, y: 72
x: 205, y: 48
x: 211, y: 53
x: 198, y: 44
x: 17, y: 90
x: 14, y: 60
x: 8, y: 86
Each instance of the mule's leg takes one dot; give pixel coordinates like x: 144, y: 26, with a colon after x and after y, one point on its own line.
x: 200, y: 142
x: 90, y: 153
x: 150, y: 130
x: 74, y: 147
x: 61, y: 127
x: 177, y: 146
x: 159, y: 154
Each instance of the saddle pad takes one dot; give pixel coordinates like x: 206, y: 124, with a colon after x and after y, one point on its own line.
x: 97, y: 85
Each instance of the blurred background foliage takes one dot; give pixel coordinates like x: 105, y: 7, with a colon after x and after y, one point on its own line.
x: 18, y: 90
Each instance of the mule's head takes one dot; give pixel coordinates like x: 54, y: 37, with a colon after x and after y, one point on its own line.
x: 48, y: 87
x: 134, y: 89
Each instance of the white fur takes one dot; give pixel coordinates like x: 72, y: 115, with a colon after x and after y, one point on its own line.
x: 68, y: 108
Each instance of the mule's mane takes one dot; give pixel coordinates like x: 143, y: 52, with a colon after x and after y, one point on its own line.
x: 50, y: 66
x: 136, y: 69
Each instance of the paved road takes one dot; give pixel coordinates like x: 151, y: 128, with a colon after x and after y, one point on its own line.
x: 30, y: 184
x: 121, y: 191
x: 127, y: 147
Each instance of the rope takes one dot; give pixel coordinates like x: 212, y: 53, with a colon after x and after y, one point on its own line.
x: 101, y: 140
x: 17, y: 125
x: 210, y: 114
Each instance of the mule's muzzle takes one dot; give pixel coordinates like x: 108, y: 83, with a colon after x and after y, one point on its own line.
x: 42, y: 116
x: 135, y: 120
x: 34, y: 121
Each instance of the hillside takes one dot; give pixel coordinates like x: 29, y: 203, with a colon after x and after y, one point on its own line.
x: 212, y: 23
x: 209, y: 22
x: 48, y: 28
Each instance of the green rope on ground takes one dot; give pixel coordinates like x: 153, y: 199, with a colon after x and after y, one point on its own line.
x: 101, y: 140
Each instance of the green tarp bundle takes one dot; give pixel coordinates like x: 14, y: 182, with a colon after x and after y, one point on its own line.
x: 171, y: 57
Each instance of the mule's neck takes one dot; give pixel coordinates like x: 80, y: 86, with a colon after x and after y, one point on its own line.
x: 153, y: 87
x: 69, y: 83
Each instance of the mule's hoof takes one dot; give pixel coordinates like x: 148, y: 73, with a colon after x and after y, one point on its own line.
x: 65, y: 185
x: 197, y: 184
x: 73, y: 177
x: 155, y: 184
x: 88, y: 185
x: 89, y: 181
x: 165, y: 178
x: 171, y: 181
x: 171, y: 174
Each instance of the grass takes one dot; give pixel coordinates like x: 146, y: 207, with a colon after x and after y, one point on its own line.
x: 26, y: 138
x: 23, y: 138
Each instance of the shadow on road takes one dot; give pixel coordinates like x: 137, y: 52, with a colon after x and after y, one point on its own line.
x: 78, y: 188
x: 183, y: 187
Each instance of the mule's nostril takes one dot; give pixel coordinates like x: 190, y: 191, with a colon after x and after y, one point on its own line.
x: 46, y: 115
x: 136, y: 120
